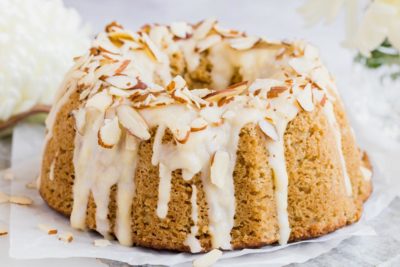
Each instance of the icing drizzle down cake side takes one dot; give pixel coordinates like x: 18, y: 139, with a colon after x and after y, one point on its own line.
x: 188, y: 93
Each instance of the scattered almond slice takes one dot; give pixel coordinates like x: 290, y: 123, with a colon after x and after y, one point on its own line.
x: 304, y: 98
x: 268, y: 129
x: 3, y: 232
x: 133, y: 122
x: 100, y: 101
x: 122, y: 81
x: 4, y: 198
x: 204, y: 28
x: 177, y: 83
x: 208, y: 259
x: 219, y: 168
x: 233, y: 90
x: 102, y: 243
x: 208, y: 42
x: 8, y: 174
x: 198, y: 124
x: 66, y: 237
x: 120, y: 92
x: 244, y: 43
x: 21, y: 200
x: 152, y: 48
x: 47, y: 229
x: 181, y: 29
x: 31, y: 185
x: 110, y: 133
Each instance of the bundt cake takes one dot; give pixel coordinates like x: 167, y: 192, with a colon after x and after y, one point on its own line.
x: 193, y: 137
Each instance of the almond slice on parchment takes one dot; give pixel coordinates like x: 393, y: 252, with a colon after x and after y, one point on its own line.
x: 47, y: 229
x: 66, y: 237
x: 21, y: 200
x: 101, y: 243
x: 208, y: 259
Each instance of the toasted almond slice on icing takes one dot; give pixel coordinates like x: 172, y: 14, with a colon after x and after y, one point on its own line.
x: 122, y: 81
x: 208, y: 42
x: 244, y: 43
x: 21, y: 200
x: 219, y: 168
x: 102, y: 243
x: 179, y: 96
x: 208, y: 259
x: 47, y: 229
x: 177, y: 83
x: 204, y: 28
x: 181, y: 29
x: 233, y: 90
x: 3, y: 231
x: 120, y: 92
x: 152, y: 48
x: 133, y: 122
x: 181, y: 134
x: 109, y: 133
x: 227, y: 32
x: 275, y: 91
x: 4, y: 198
x: 100, y: 101
x: 268, y: 129
x: 8, y: 174
x: 198, y: 124
x: 66, y: 237
x: 304, y: 98
x: 80, y: 120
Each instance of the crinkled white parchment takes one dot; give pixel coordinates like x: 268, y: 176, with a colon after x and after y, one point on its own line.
x: 28, y: 242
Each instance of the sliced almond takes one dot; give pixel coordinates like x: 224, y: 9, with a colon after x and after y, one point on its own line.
x: 268, y: 129
x: 4, y: 198
x: 122, y: 81
x: 208, y: 259
x: 47, y: 229
x: 80, y: 120
x: 110, y: 133
x: 31, y: 185
x: 198, y: 124
x: 305, y: 98
x: 84, y: 94
x: 181, y: 29
x: 21, y: 200
x: 233, y: 90
x: 120, y: 92
x: 275, y: 91
x: 122, y: 67
x: 244, y: 43
x: 66, y: 237
x: 177, y: 83
x: 133, y: 122
x: 101, y: 101
x: 102, y: 243
x: 204, y: 28
x: 153, y: 50
x: 179, y: 96
x: 118, y: 37
x: 181, y: 135
x: 8, y: 174
x: 229, y: 33
x: 3, y: 232
x: 208, y: 42
x: 219, y: 168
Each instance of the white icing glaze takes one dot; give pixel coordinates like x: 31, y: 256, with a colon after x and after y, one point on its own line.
x: 205, y: 126
x: 191, y: 240
x: 330, y: 115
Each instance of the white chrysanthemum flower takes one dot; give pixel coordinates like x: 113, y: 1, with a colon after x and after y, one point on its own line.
x: 381, y: 21
x: 38, y: 40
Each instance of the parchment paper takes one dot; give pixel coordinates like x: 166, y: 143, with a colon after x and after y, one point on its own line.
x: 28, y: 242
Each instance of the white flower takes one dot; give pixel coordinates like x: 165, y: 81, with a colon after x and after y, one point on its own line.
x: 38, y: 40
x: 381, y: 21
